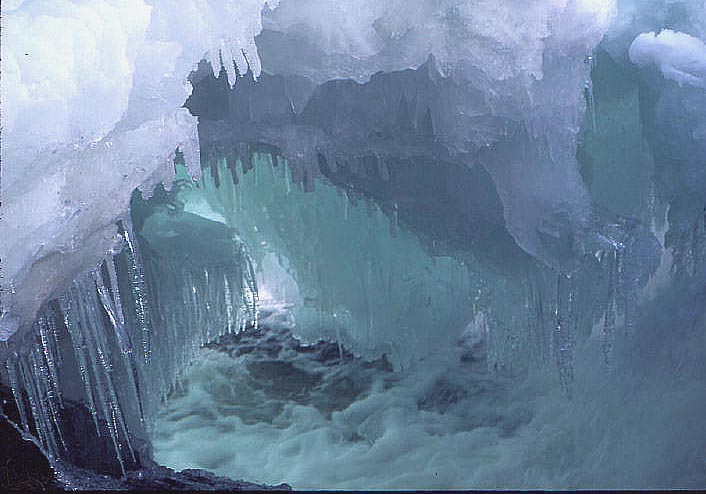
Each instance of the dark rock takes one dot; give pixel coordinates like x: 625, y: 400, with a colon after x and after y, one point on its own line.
x: 156, y: 478
x: 23, y: 466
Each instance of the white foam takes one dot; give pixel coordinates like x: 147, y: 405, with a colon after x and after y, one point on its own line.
x: 505, y: 433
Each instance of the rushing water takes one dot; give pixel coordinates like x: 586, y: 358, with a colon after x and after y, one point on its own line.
x: 268, y: 408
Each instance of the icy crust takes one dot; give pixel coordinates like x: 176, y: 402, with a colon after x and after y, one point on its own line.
x: 64, y: 61
x: 58, y: 223
x: 91, y: 97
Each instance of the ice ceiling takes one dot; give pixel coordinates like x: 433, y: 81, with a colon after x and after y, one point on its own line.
x: 526, y: 178
x: 109, y: 86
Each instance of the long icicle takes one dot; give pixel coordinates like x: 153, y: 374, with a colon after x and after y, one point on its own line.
x: 137, y: 287
x: 69, y: 311
x: 100, y: 367
x: 11, y: 365
x: 110, y: 299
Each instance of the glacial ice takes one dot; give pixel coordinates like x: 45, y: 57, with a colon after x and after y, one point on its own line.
x: 497, y: 207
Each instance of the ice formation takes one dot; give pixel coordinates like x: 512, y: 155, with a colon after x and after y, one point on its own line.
x: 132, y: 59
x: 680, y: 56
x: 91, y: 109
x: 498, y: 207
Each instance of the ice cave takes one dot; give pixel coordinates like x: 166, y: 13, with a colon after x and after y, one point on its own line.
x: 353, y: 244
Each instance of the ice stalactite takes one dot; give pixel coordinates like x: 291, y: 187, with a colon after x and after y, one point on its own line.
x: 137, y: 288
x: 106, y: 279
x: 349, y: 273
x: 609, y: 318
x: 83, y: 320
x: 85, y: 325
x: 116, y: 340
x: 589, y: 93
x: 561, y: 340
x: 260, y: 197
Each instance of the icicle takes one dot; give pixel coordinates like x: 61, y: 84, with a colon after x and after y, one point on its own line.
x: 45, y: 400
x: 563, y: 344
x: 591, y: 104
x: 115, y: 289
x: 590, y: 99
x: 102, y: 368
x: 622, y: 291
x: 30, y: 376
x: 69, y: 311
x: 608, y: 332
x: 228, y: 303
x: 137, y: 287
x: 110, y: 300
x: 102, y: 346
x: 394, y: 220
x: 11, y: 365
x: 248, y: 287
x: 50, y: 352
